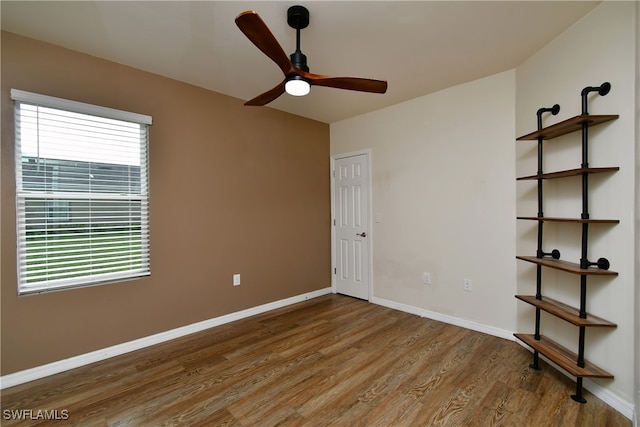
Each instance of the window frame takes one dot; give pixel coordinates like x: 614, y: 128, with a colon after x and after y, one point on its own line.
x: 51, y: 196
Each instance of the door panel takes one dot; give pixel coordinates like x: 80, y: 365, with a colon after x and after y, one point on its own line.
x: 351, y: 192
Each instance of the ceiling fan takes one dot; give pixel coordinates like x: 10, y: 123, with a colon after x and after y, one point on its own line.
x: 297, y: 78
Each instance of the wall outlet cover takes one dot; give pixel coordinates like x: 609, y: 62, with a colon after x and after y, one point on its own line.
x: 426, y: 278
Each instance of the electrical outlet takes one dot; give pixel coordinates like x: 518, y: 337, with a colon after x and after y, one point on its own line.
x: 467, y: 285
x: 236, y: 279
x: 426, y: 278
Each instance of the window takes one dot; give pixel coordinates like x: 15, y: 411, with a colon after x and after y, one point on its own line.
x: 81, y: 193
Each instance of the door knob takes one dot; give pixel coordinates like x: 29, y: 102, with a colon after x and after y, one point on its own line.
x: 363, y: 234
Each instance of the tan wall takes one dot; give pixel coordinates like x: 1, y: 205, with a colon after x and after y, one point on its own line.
x: 234, y: 189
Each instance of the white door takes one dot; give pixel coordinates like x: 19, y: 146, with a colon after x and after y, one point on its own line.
x: 351, y: 243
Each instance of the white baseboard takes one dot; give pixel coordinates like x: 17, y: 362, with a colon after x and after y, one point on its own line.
x: 38, y: 372
x: 616, y: 402
x: 452, y: 320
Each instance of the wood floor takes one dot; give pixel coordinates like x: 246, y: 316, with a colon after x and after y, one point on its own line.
x: 333, y: 360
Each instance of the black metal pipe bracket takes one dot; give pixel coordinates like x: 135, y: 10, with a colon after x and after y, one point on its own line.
x: 602, y: 90
x: 555, y: 254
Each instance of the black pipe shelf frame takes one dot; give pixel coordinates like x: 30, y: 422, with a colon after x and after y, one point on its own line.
x: 573, y: 363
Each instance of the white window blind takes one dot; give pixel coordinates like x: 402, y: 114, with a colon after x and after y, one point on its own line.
x: 81, y: 193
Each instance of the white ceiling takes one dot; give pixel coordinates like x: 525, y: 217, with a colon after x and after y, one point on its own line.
x: 419, y: 47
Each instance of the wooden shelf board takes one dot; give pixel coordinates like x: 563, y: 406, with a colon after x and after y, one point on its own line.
x: 565, y: 312
x: 577, y: 220
x: 568, y: 126
x: 563, y: 357
x: 569, y: 267
x: 568, y: 172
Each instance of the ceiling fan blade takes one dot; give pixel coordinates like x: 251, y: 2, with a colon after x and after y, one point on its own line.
x: 258, y: 33
x: 349, y: 83
x: 268, y: 96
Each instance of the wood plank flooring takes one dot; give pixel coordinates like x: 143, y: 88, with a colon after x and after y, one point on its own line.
x: 333, y: 360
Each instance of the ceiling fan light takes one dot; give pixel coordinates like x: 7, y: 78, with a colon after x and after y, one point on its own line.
x: 297, y: 86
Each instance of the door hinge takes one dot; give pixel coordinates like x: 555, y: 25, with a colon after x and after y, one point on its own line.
x: 335, y: 271
x: 334, y: 222
x: 333, y: 173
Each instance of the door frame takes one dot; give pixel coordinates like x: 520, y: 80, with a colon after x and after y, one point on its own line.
x: 366, y: 152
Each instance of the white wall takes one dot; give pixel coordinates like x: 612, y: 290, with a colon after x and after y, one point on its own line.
x: 600, y: 47
x: 443, y: 182
x: 637, y: 229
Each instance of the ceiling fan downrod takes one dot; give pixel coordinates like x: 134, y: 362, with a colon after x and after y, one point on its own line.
x: 298, y: 18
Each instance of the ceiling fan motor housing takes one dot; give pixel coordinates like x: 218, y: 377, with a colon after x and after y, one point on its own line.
x: 299, y: 59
